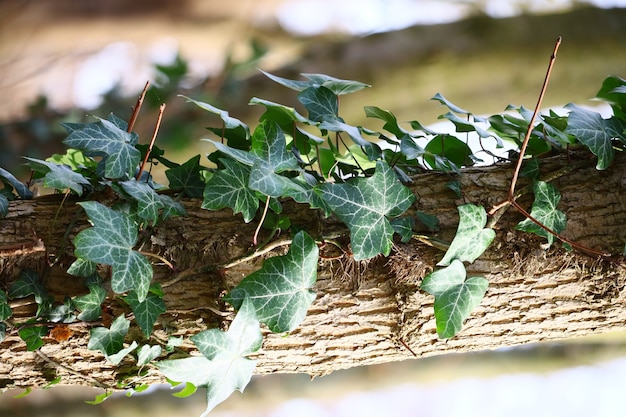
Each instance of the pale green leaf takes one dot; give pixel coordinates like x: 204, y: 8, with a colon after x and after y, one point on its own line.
x: 441, y: 280
x: 111, y: 242
x: 60, y: 177
x: 228, y: 368
x: 148, y: 353
x: 111, y: 341
x: 336, y: 85
x: 545, y: 210
x: 148, y: 201
x: 471, y: 238
x: 453, y: 306
x: 364, y: 205
x: 281, y: 291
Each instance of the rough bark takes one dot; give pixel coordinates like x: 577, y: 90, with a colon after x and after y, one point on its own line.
x: 365, y: 312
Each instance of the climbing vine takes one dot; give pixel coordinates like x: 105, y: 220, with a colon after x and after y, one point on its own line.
x: 317, y: 158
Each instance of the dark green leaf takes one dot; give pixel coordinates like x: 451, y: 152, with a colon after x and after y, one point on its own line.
x: 440, y: 98
x: 471, y: 238
x: 187, y: 178
x: 270, y: 146
x: 545, y: 210
x: 448, y: 147
x: 5, y: 309
x: 279, y: 113
x: 4, y: 205
x: 613, y: 91
x: 104, y: 138
x: 364, y: 204
x: 281, y: 290
x: 147, y: 311
x: 228, y: 187
x: 32, y: 336
x: 60, y: 177
x: 82, y: 268
x: 238, y: 129
x: 336, y: 125
x: 111, y: 242
x: 336, y: 85
x: 148, y: 201
x: 404, y: 227
x: 595, y: 132
x: 111, y: 341
x: 291, y: 84
x: 10, y: 179
x: 90, y: 304
x: 431, y: 222
x: 320, y: 102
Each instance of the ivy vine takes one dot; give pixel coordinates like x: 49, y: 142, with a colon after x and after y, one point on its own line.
x: 317, y: 158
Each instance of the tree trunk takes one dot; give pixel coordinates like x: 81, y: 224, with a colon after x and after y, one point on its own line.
x: 365, y: 312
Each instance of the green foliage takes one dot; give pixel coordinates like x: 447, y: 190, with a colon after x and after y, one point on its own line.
x: 352, y: 172
x: 544, y: 210
x: 224, y: 366
x: 281, y: 290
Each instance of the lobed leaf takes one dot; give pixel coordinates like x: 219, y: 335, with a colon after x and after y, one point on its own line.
x: 228, y: 187
x: 60, y: 177
x: 147, y: 311
x: 471, y: 238
x: 281, y: 290
x: 364, y: 205
x: 111, y: 341
x: 545, y: 211
x: 187, y: 178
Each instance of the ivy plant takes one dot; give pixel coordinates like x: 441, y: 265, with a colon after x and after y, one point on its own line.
x: 310, y: 155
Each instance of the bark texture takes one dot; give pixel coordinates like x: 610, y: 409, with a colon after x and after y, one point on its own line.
x: 365, y: 312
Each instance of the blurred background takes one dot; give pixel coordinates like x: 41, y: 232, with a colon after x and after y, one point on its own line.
x: 61, y: 60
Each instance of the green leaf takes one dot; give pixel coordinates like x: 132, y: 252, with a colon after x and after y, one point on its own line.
x: 104, y: 138
x: 455, y: 297
x: 4, y: 205
x: 410, y: 148
x: 228, y: 187
x: 291, y: 84
x: 62, y: 313
x: 189, y: 390
x: 364, y: 205
x: 279, y: 113
x: 430, y: 221
x: 225, y: 366
x: 235, y: 127
x: 148, y: 201
x: 336, y: 85
x: 594, y: 132
x: 391, y: 122
x: 147, y: 354
x: 22, y: 190
x: 545, y: 210
x: 90, y: 304
x: 147, y: 311
x: 5, y: 309
x: 82, y: 268
x: 173, y: 342
x: 59, y: 177
x: 187, y: 178
x: 440, y: 98
x: 613, y: 91
x: 110, y: 242
x: 404, y: 227
x: 74, y: 159
x: 281, y: 290
x: 100, y: 398
x: 465, y: 126
x: 24, y: 393
x: 336, y: 125
x: 29, y: 283
x: 32, y: 336
x: 471, y: 238
x: 3, y: 331
x: 320, y: 102
x: 111, y: 341
x: 450, y: 148
x: 270, y: 146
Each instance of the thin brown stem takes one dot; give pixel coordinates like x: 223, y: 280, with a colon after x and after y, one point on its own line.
x: 135, y: 113
x: 532, y: 120
x: 149, y: 150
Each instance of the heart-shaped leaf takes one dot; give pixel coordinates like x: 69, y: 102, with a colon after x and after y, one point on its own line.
x: 147, y: 311
x: 228, y: 187
x: 111, y: 341
x: 281, y: 290
x: 545, y: 210
x: 60, y: 177
x: 471, y: 238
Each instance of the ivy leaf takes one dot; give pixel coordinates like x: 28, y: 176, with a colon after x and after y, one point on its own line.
x: 471, y: 238
x: 279, y: 112
x: 147, y: 311
x: 281, y: 290
x: 32, y: 336
x: 111, y: 341
x: 320, y: 102
x: 465, y: 126
x: 612, y: 92
x: 291, y: 84
x: 391, y: 122
x: 404, y: 227
x: 59, y: 177
x: 89, y: 305
x: 455, y: 297
x: 187, y: 178
x: 29, y: 283
x: 448, y: 148
x: 228, y: 187
x: 105, y: 138
x: 336, y: 85
x: 237, y: 131
x: 594, y: 132
x: 82, y: 268
x: 545, y: 210
x: 440, y: 98
x: 225, y: 366
x: 364, y: 204
x: 148, y: 353
x: 270, y: 146
x: 4, y: 205
x: 111, y: 242
x: 148, y: 201
x: 22, y: 190
x: 336, y: 125
x: 5, y: 309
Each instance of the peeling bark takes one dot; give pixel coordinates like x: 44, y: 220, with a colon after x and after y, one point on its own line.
x: 365, y: 312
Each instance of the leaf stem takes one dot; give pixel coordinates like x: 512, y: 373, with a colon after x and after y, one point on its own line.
x: 258, y: 228
x: 136, y: 108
